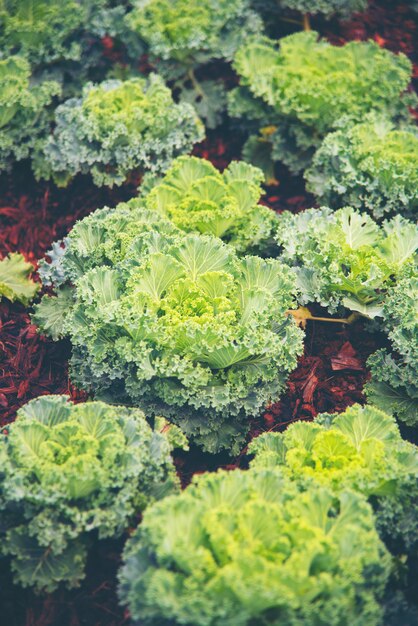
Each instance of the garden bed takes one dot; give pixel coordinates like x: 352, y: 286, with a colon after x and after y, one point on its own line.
x: 329, y: 377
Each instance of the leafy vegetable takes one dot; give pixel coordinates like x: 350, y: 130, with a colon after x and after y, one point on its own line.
x: 361, y: 450
x: 345, y: 258
x: 270, y: 9
x: 173, y: 322
x: 394, y: 385
x: 116, y: 128
x: 23, y: 110
x: 243, y: 548
x: 186, y: 31
x: 68, y: 472
x: 59, y: 36
x: 41, y: 30
x: 15, y: 281
x: 327, y: 7
x: 305, y: 88
x: 184, y: 34
x: 197, y: 198
x: 372, y: 165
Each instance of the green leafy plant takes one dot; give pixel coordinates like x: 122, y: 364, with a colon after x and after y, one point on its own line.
x: 394, y: 385
x: 243, y: 548
x: 274, y: 10
x: 343, y: 8
x: 24, y: 118
x: 42, y: 30
x: 70, y: 473
x: 196, y: 197
x: 372, y: 165
x: 360, y: 450
x: 299, y: 90
x: 15, y: 281
x: 172, y: 322
x: 61, y: 36
x: 117, y: 128
x: 184, y: 34
x: 344, y: 258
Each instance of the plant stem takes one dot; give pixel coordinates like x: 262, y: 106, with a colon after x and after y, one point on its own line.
x: 289, y: 20
x: 302, y: 315
x: 195, y: 83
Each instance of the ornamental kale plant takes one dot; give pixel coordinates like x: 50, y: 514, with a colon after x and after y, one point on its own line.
x: 60, y: 36
x: 241, y: 548
x: 15, y: 281
x: 184, y: 34
x: 196, y: 197
x: 43, y: 31
x: 117, y: 128
x: 372, y: 165
x: 24, y: 118
x: 394, y: 385
x: 297, y: 91
x: 70, y: 473
x: 360, y: 450
x: 175, y: 323
x: 344, y: 259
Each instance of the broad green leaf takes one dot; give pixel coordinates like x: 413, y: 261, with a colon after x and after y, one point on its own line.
x: 50, y: 314
x: 15, y: 281
x: 359, y: 230
x: 198, y: 256
x: 49, y: 410
x: 366, y: 423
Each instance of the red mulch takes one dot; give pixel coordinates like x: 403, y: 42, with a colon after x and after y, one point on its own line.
x: 330, y: 376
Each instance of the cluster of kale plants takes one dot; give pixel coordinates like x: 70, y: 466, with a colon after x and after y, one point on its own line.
x: 185, y: 302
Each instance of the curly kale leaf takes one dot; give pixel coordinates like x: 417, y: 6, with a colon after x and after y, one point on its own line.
x: 24, y: 116
x: 117, y: 128
x: 175, y: 322
x: 343, y: 8
x: 184, y: 34
x: 312, y: 88
x: 191, y: 32
x: 344, y: 258
x: 242, y: 548
x: 68, y: 472
x: 196, y: 197
x: 372, y: 165
x: 43, y: 31
x: 394, y: 385
x: 362, y: 450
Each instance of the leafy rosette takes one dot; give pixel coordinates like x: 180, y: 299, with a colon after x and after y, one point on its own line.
x: 15, y: 279
x: 118, y: 128
x: 372, y: 165
x: 181, y: 35
x: 43, y: 31
x: 61, y: 37
x: 196, y: 197
x: 24, y: 119
x: 190, y: 31
x: 362, y: 450
x: 179, y: 324
x: 298, y: 91
x: 241, y: 548
x: 71, y: 473
x: 344, y: 258
x: 394, y: 385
